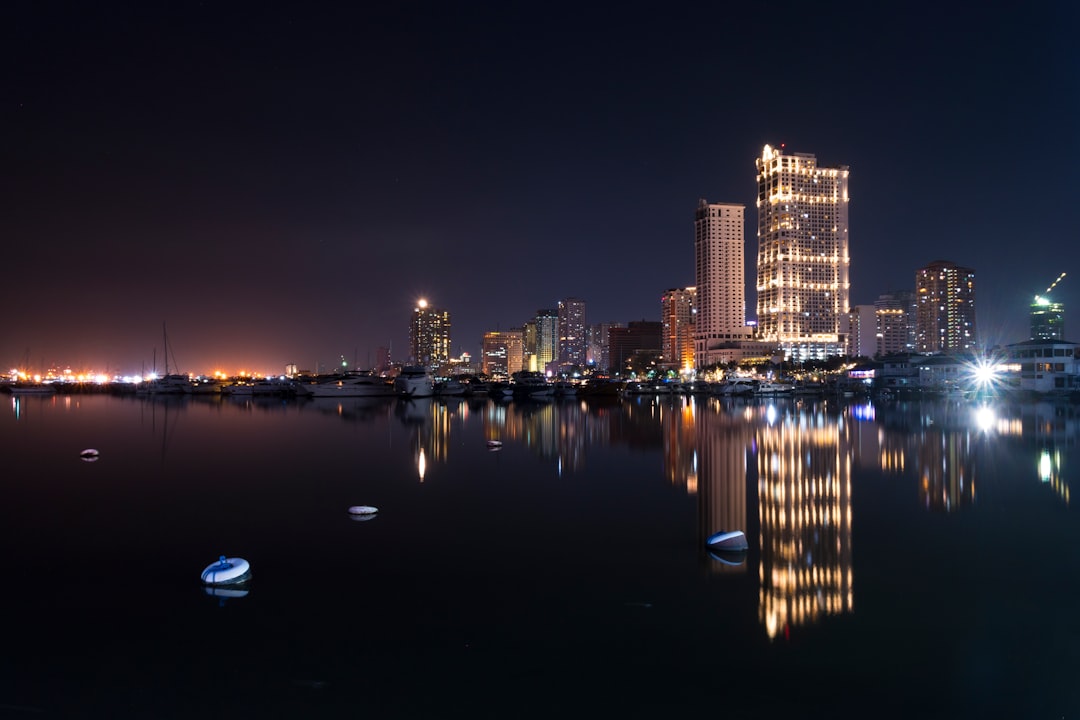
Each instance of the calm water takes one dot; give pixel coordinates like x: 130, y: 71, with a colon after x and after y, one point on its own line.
x: 905, y: 559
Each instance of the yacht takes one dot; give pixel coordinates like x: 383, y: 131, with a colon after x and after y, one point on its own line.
x: 738, y: 386
x: 350, y: 385
x: 767, y: 387
x: 531, y: 385
x: 414, y: 381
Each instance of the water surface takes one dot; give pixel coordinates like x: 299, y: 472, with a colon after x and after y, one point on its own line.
x: 906, y: 558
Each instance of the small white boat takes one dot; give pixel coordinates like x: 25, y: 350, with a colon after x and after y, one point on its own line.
x: 727, y: 540
x: 89, y: 455
x: 494, y: 444
x: 363, y: 510
x: 227, y: 571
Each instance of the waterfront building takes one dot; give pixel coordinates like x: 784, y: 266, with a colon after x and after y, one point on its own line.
x: 572, y: 343
x: 895, y: 311
x: 802, y: 258
x: 638, y: 338
x: 678, y: 310
x: 429, y: 336
x: 945, y: 319
x: 720, y: 277
x: 1045, y: 366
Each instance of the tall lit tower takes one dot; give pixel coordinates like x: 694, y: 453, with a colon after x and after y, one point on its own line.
x: 1047, y: 316
x: 802, y: 260
x: 720, y: 276
x: 429, y: 336
x: 547, y: 339
x: 945, y: 316
x: 572, y: 342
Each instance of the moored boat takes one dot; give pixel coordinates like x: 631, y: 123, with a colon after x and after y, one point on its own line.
x: 414, y: 381
x: 351, y: 385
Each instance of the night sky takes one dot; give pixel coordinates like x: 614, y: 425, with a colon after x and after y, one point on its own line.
x: 280, y: 183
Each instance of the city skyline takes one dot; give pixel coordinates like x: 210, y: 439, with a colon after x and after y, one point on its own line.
x: 282, y: 187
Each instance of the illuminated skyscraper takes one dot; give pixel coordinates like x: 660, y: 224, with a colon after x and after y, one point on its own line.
x: 720, y: 276
x: 802, y: 260
x: 945, y: 317
x: 678, y: 309
x: 547, y: 338
x: 572, y: 342
x: 429, y: 336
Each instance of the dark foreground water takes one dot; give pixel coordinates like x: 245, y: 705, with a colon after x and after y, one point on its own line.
x: 908, y: 559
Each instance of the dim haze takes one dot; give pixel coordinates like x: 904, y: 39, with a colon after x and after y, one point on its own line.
x: 281, y: 185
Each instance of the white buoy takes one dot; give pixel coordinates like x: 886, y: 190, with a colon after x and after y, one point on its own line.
x: 227, y: 571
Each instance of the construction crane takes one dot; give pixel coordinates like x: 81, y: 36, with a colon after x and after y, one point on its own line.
x: 1053, y: 284
x: 1041, y: 299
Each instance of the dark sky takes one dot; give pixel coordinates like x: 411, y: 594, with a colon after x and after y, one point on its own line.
x: 279, y: 183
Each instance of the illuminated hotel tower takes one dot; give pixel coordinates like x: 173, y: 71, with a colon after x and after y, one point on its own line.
x: 720, y: 277
x: 945, y: 316
x: 429, y: 336
x: 802, y: 261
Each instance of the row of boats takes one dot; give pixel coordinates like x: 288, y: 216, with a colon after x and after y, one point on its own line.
x: 418, y: 382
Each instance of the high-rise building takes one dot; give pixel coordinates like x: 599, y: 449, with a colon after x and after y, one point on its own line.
x: 945, y: 320
x: 1048, y: 316
x: 719, y: 274
x: 572, y: 342
x: 637, y: 338
x: 502, y: 353
x: 599, y: 339
x: 678, y: 310
x: 896, y: 311
x: 802, y: 258
x: 547, y: 340
x: 429, y: 336
x: 861, y: 331
x: 1047, y: 319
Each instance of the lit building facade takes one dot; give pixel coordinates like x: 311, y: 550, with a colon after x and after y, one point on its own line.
x: 945, y: 320
x: 573, y: 345
x: 802, y: 261
x: 547, y: 340
x: 503, y: 353
x: 895, y: 313
x: 1047, y: 319
x: 861, y: 331
x: 719, y: 274
x: 678, y: 310
x: 429, y: 336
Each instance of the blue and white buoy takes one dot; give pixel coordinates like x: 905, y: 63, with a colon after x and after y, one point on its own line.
x: 227, y: 571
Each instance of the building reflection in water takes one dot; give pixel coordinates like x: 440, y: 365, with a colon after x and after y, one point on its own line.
x: 791, y: 459
x: 804, y: 511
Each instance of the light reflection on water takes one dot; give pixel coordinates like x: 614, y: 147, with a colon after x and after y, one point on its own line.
x: 849, y: 506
